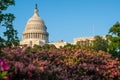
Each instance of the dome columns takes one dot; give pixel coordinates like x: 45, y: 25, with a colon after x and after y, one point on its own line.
x: 35, y: 36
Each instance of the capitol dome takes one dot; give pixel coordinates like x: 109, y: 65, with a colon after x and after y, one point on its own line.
x: 35, y: 31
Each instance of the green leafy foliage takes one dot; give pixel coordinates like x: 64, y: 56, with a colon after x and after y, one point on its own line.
x: 69, y: 46
x: 100, y: 44
x: 3, y: 75
x: 44, y: 47
x: 6, y: 20
x: 84, y: 44
x: 114, y: 39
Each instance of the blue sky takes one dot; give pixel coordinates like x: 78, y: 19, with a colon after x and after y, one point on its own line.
x: 68, y: 19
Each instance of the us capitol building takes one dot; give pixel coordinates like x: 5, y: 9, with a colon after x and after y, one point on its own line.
x: 35, y: 33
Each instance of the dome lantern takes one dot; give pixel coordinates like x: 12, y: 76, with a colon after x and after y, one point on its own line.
x: 36, y: 10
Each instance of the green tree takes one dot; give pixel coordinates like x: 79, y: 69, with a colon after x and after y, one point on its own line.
x: 114, y: 39
x: 84, y: 44
x: 6, y: 20
x: 69, y: 46
x: 48, y: 46
x: 100, y: 44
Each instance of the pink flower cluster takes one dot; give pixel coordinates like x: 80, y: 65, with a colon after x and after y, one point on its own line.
x: 60, y: 64
x: 4, y: 66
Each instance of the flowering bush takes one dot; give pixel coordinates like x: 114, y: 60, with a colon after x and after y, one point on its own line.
x: 4, y: 67
x: 61, y: 64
